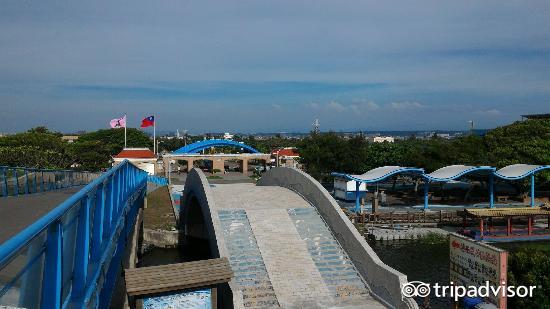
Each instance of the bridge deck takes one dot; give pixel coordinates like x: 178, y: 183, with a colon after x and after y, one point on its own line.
x: 18, y: 212
x: 282, y: 252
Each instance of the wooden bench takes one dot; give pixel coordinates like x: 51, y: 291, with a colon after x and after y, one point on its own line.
x: 177, y: 278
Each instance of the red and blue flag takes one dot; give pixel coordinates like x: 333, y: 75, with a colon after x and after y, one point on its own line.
x: 148, y: 121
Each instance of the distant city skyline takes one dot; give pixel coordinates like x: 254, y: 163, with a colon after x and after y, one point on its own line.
x: 248, y: 66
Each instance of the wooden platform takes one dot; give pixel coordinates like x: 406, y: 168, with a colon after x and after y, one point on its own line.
x: 177, y: 277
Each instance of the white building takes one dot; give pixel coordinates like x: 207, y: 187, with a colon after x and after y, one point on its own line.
x: 143, y: 158
x: 381, y: 139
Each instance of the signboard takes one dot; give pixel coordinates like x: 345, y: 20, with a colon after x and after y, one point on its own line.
x: 473, y: 263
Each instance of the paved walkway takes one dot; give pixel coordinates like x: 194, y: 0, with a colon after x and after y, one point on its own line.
x: 18, y: 212
x: 282, y: 253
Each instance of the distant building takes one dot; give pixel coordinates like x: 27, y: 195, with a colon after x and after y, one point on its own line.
x: 227, y: 136
x: 287, y: 157
x: 143, y: 158
x: 69, y: 138
x: 381, y: 139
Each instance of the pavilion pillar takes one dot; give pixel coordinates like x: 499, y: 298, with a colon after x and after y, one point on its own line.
x: 508, y: 226
x: 218, y: 164
x: 533, y: 190
x: 244, y: 165
x: 530, y: 226
x: 491, y: 191
x: 357, y: 197
x: 189, y: 164
x: 426, y: 189
x: 481, y: 227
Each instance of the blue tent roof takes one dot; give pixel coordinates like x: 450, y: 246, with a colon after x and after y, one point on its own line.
x: 209, y: 143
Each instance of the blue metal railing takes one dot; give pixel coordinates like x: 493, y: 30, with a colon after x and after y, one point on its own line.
x: 21, y: 180
x: 158, y: 180
x: 71, y: 257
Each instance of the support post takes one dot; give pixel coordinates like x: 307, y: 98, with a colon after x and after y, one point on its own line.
x: 27, y: 189
x: 82, y: 247
x: 530, y: 226
x: 491, y: 191
x: 51, y: 282
x: 508, y: 226
x: 426, y: 189
x: 357, y: 197
x: 5, y: 173
x: 97, y: 230
x: 481, y: 228
x: 15, y: 182
x: 533, y: 190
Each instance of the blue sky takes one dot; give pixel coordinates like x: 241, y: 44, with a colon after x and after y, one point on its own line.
x: 264, y: 66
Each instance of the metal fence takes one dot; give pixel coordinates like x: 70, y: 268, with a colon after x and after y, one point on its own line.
x: 21, y: 180
x: 71, y: 257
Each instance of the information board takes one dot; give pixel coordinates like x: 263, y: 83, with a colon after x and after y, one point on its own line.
x: 473, y: 263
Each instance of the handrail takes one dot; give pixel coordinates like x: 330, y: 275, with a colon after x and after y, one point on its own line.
x: 79, y: 244
x: 26, y: 235
x: 16, y: 180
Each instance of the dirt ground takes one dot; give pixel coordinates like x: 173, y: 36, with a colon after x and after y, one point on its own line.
x: 159, y: 213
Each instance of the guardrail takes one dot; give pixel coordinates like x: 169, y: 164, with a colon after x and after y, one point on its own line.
x: 21, y: 180
x: 71, y: 256
x: 158, y: 180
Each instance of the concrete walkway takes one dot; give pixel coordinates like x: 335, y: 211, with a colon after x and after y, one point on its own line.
x: 18, y: 212
x: 257, y: 225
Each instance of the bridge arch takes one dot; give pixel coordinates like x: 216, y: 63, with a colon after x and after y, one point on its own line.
x: 209, y: 143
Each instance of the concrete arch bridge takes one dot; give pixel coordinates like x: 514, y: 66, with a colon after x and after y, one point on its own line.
x: 288, y: 243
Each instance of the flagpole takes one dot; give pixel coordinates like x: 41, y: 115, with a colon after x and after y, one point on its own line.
x: 125, y: 125
x: 155, y: 134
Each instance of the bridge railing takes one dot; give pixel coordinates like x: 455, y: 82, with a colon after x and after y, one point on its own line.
x: 21, y: 180
x: 71, y: 257
x: 158, y: 180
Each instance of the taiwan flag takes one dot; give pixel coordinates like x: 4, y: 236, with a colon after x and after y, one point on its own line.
x: 147, y: 122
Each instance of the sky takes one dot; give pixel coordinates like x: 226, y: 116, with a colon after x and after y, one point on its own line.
x: 273, y: 66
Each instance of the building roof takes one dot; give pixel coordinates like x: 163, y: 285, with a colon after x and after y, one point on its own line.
x: 518, y: 171
x: 452, y: 172
x: 380, y: 173
x: 286, y: 152
x: 505, y: 212
x: 135, y: 153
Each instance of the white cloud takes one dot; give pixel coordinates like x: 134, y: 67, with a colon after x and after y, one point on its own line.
x: 277, y: 107
x: 489, y: 112
x: 335, y: 106
x: 363, y: 106
x: 405, y: 105
x: 313, y: 105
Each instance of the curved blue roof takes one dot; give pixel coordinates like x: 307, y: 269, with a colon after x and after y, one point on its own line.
x: 209, y: 143
x: 519, y: 171
x: 380, y: 173
x: 452, y: 172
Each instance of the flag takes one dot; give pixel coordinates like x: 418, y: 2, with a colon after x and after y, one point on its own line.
x: 148, y: 121
x: 118, y: 123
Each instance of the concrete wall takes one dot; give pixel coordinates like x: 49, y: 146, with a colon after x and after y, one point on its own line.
x: 385, y: 282
x: 197, y: 186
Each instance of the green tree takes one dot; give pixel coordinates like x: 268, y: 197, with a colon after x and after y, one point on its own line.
x: 93, y: 151
x: 38, y: 148
x: 530, y: 267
